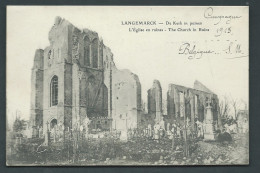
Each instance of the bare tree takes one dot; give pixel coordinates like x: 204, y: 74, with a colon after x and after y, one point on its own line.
x: 235, y: 106
x: 19, y: 125
x: 244, y: 103
x: 224, y: 107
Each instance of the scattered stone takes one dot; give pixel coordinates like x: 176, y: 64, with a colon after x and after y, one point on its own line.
x: 182, y: 163
x: 175, y: 162
x: 206, y: 161
x: 211, y: 159
x: 219, y: 160
x: 196, y: 161
x: 155, y: 151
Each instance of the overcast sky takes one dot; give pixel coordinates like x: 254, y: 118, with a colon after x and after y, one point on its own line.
x: 150, y: 55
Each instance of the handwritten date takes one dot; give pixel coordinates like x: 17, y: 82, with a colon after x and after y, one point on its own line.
x: 223, y: 30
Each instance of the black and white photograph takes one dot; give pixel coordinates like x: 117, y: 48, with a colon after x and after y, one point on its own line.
x: 127, y: 85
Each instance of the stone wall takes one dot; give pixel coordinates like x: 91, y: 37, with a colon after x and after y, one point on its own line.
x: 126, y: 99
x: 193, y: 103
x: 56, y: 58
x: 124, y: 94
x: 36, y: 118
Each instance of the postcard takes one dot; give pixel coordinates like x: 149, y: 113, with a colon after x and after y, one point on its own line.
x: 127, y: 85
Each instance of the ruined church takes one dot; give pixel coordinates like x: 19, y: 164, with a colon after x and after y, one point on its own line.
x: 75, y: 85
x: 75, y: 79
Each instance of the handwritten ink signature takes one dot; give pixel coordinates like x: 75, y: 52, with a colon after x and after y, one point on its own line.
x: 192, y: 51
x: 208, y: 14
x: 234, y: 49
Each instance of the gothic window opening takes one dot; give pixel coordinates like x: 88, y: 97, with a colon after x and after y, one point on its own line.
x: 91, y: 80
x: 91, y: 91
x: 94, y: 52
x: 54, y: 91
x: 86, y: 51
x: 53, y: 123
x: 49, y: 54
x: 196, y: 105
x: 182, y: 104
x: 214, y: 104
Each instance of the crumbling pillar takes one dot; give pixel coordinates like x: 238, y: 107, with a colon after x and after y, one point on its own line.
x: 177, y: 103
x: 155, y: 101
x: 158, y: 100
x: 192, y: 112
x: 47, y: 135
x: 182, y: 104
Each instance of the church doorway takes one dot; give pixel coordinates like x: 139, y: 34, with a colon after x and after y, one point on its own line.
x: 53, y: 130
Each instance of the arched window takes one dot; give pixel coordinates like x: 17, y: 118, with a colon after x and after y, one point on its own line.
x: 49, y: 54
x: 53, y: 123
x: 91, y: 91
x: 94, y: 52
x: 86, y: 51
x: 54, y: 91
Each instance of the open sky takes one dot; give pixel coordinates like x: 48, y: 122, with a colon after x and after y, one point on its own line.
x: 150, y: 55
